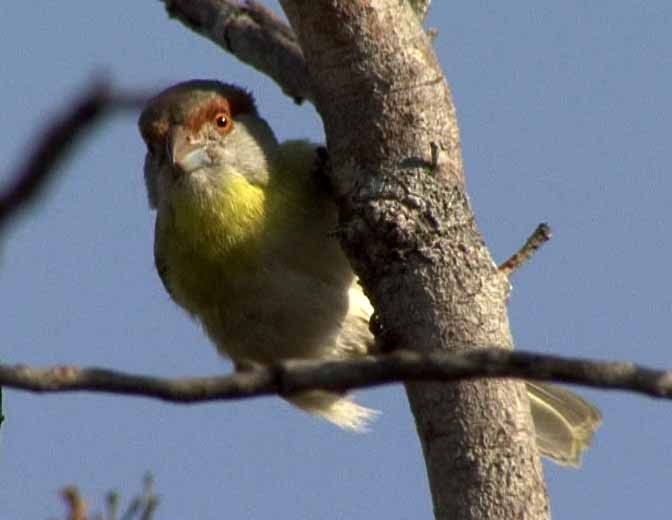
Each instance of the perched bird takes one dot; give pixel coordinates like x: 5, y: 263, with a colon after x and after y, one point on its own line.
x: 242, y: 244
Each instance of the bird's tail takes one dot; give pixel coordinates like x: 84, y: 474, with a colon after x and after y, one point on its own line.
x: 565, y: 422
x: 336, y: 408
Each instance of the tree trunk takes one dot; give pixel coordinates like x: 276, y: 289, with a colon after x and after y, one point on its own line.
x: 410, y: 234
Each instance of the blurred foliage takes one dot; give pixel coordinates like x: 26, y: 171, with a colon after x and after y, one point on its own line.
x: 141, y: 507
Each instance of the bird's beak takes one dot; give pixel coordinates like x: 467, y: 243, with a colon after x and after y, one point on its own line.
x: 185, y: 152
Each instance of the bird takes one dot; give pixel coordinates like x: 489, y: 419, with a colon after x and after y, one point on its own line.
x: 242, y: 243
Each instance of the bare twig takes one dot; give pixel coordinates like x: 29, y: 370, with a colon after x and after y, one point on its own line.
x: 133, y: 509
x: 538, y: 238
x: 55, y: 143
x: 142, y: 507
x: 253, y: 34
x: 112, y: 505
x: 151, y: 500
x: 75, y: 503
x: 298, y: 375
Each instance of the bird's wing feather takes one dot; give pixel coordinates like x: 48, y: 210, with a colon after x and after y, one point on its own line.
x: 159, y: 258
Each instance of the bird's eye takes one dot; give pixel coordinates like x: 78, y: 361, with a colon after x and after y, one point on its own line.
x: 222, y: 121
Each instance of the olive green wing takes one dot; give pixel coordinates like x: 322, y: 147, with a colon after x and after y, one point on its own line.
x: 160, y: 261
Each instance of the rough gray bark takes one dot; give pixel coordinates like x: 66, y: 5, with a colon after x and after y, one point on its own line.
x: 409, y: 231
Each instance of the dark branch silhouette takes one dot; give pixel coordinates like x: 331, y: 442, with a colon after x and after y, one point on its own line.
x: 54, y: 144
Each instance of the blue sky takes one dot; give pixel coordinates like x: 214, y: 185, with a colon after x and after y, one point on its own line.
x: 564, y: 112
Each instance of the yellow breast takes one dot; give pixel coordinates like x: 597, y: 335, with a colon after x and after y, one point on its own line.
x: 209, y: 242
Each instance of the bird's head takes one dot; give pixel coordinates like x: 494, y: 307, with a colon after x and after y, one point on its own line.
x: 199, y: 134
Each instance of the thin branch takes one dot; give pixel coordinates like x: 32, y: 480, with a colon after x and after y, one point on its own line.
x: 133, y: 509
x: 112, y: 505
x: 54, y: 144
x: 149, y: 498
x: 538, y: 238
x: 298, y: 375
x: 253, y: 34
x: 75, y: 503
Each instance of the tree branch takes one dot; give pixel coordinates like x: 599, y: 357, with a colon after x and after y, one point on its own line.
x: 297, y: 375
x: 253, y: 34
x: 56, y: 142
x: 538, y: 238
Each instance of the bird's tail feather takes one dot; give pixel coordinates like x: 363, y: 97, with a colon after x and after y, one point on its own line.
x: 565, y: 422
x: 336, y: 408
